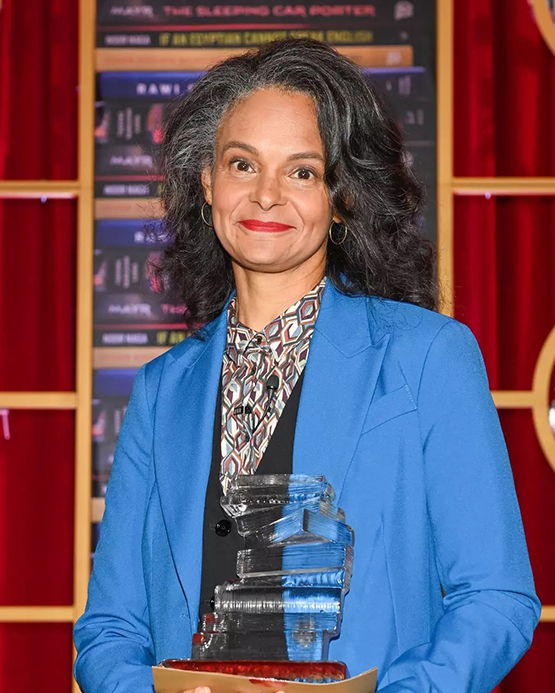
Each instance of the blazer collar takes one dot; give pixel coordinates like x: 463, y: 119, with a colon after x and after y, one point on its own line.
x: 350, y: 323
x: 365, y: 326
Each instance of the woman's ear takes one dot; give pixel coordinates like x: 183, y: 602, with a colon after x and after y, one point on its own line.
x: 206, y: 180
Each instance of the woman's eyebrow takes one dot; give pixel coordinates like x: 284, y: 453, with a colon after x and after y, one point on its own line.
x: 236, y: 144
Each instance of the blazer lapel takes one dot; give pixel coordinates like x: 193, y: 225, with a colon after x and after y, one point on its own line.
x: 341, y: 374
x: 184, y: 426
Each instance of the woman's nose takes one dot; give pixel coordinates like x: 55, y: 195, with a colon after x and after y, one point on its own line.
x: 268, y: 191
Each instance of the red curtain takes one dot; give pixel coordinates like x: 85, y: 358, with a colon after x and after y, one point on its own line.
x: 36, y: 511
x: 504, y: 91
x: 37, y: 294
x: 35, y: 658
x: 38, y: 126
x: 38, y: 89
x: 505, y: 255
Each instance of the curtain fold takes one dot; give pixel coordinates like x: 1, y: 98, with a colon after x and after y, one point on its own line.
x: 35, y: 656
x: 37, y: 294
x: 38, y: 89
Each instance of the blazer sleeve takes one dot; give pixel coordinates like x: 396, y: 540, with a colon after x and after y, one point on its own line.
x: 490, y: 604
x: 112, y: 637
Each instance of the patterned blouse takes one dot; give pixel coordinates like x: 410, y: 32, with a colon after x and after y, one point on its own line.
x: 249, y: 416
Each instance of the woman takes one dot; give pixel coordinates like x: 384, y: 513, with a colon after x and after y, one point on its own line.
x: 293, y: 218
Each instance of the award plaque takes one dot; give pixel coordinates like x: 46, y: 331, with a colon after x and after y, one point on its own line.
x: 276, y: 619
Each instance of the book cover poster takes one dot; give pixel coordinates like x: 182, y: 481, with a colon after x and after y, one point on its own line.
x: 132, y: 324
x: 130, y: 108
x: 111, y: 392
x: 161, y: 25
x: 148, y: 55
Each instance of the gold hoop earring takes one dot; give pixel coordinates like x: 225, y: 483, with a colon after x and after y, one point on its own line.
x: 344, y: 235
x: 202, y: 215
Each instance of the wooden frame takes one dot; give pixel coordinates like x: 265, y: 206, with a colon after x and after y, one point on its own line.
x: 83, y: 189
x: 81, y: 400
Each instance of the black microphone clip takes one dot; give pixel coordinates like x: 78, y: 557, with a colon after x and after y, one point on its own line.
x: 272, y: 382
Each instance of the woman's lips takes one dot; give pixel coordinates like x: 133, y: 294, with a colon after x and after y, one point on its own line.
x: 270, y: 226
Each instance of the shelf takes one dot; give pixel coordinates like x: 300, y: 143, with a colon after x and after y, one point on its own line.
x: 36, y: 614
x: 59, y: 189
x: 514, y: 399
x: 503, y: 186
x: 38, y: 400
x: 172, y: 59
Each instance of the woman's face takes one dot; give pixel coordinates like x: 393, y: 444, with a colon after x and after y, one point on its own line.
x: 269, y: 167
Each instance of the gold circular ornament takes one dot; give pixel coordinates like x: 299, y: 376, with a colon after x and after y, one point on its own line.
x: 544, y: 12
x: 541, y: 399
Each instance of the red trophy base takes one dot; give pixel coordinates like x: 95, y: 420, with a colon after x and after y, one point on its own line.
x: 308, y: 672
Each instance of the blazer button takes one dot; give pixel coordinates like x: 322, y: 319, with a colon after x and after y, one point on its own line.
x: 223, y: 528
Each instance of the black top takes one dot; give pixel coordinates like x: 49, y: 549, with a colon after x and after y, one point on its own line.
x: 221, y: 541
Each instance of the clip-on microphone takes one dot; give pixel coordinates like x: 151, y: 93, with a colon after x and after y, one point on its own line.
x: 271, y: 386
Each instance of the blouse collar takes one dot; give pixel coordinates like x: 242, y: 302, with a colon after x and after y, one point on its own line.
x: 293, y: 326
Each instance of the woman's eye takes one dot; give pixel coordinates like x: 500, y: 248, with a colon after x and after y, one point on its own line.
x: 306, y: 173
x: 242, y: 165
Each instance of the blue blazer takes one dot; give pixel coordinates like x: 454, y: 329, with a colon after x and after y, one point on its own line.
x: 396, y: 411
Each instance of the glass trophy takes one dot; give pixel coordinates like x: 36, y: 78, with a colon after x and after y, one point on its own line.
x: 276, y: 619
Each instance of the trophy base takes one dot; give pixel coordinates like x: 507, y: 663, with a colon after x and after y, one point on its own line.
x: 305, y: 672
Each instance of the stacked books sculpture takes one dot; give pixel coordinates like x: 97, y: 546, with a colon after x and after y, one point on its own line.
x: 277, y: 618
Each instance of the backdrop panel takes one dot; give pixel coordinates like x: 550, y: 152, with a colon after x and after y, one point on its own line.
x: 504, y: 91
x: 38, y: 89
x: 37, y: 294
x: 36, y: 508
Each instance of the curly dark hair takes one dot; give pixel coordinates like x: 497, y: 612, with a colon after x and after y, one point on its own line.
x: 371, y: 184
